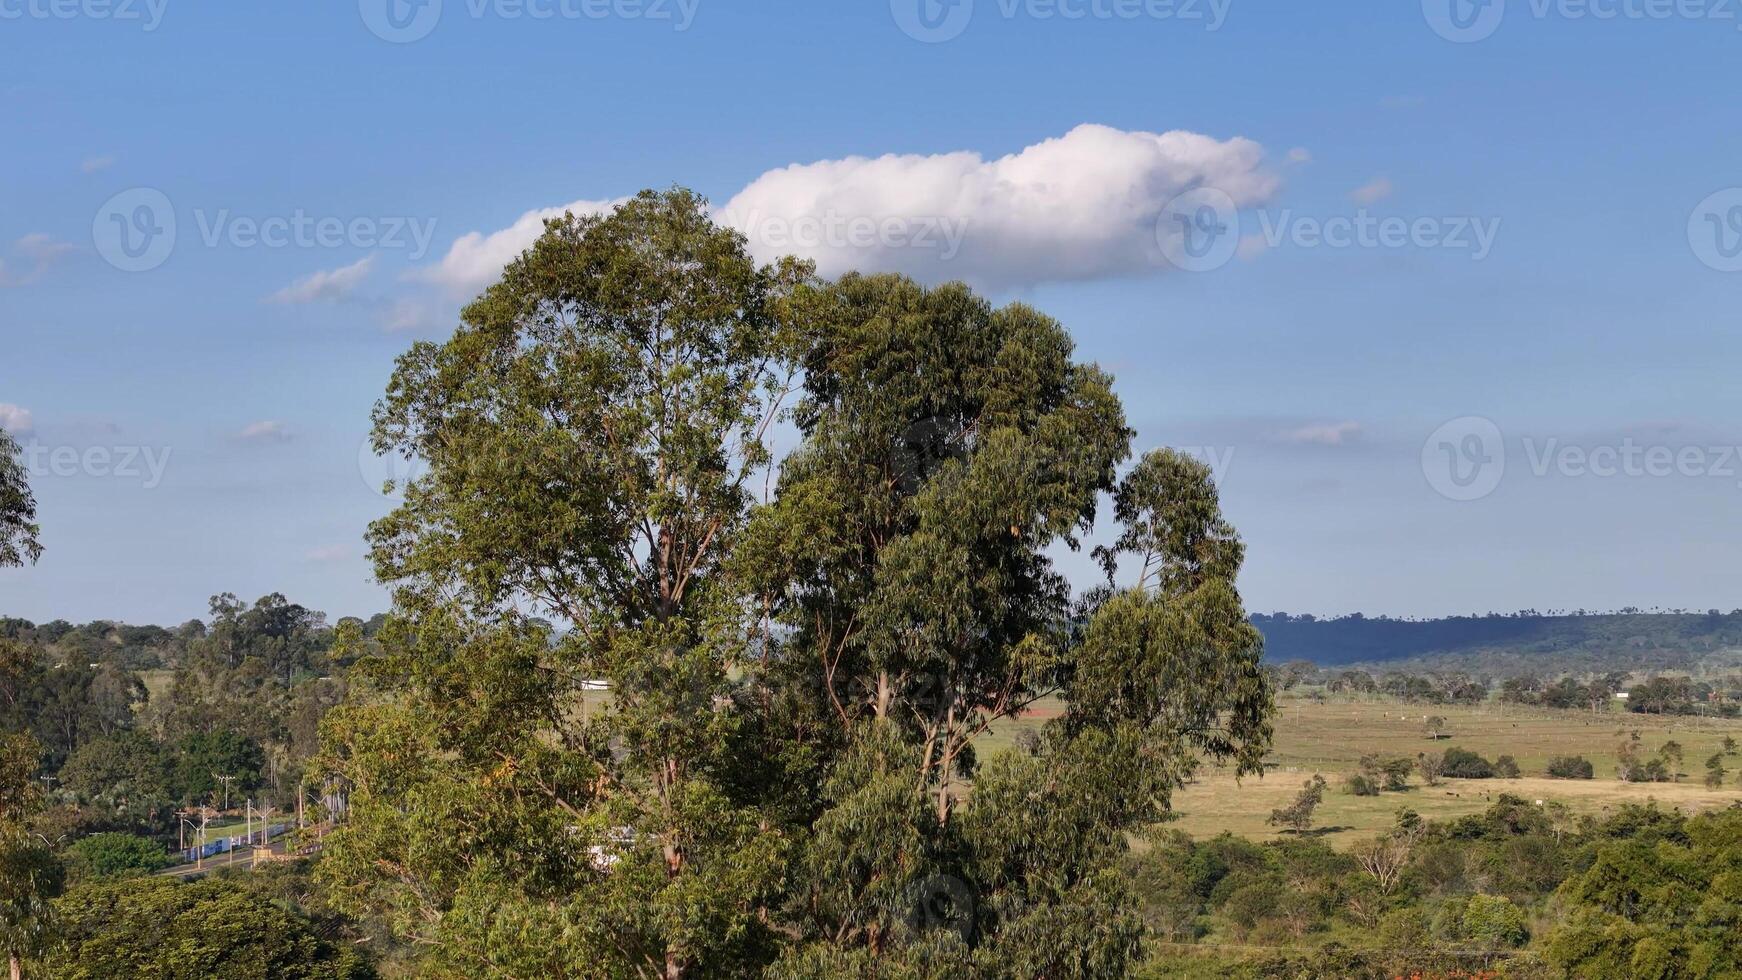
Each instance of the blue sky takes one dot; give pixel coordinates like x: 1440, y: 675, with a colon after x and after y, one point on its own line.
x: 209, y: 411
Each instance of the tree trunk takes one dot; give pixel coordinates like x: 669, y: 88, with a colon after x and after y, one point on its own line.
x: 17, y: 967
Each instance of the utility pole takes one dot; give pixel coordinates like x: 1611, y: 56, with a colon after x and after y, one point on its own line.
x: 226, y: 780
x: 205, y: 817
x: 265, y: 834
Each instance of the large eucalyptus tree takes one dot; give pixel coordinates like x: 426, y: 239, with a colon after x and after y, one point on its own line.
x: 785, y: 775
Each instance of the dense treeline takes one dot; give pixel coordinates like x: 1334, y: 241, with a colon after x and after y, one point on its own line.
x: 1501, y: 644
x: 1720, y: 696
x: 236, y: 714
x: 1642, y: 891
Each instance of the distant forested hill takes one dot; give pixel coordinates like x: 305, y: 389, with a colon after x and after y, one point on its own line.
x: 1510, y: 643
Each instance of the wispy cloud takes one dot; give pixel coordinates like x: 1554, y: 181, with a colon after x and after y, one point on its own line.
x: 97, y: 164
x: 328, y: 285
x: 1324, y: 434
x: 265, y: 432
x: 30, y: 258
x: 328, y: 553
x: 1372, y: 192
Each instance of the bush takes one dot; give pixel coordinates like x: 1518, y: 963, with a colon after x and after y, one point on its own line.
x: 1464, y: 764
x: 1360, y: 785
x: 1570, y: 767
x: 1505, y: 767
x: 153, y: 927
x: 1493, y: 922
x: 115, y: 856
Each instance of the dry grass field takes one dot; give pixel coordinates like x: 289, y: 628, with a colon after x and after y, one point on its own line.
x: 1329, y: 737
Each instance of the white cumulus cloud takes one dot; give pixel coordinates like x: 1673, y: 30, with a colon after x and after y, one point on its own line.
x: 476, y: 258
x: 15, y: 419
x: 1080, y: 206
x: 328, y: 285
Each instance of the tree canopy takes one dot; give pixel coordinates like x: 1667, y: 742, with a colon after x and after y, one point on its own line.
x: 18, y: 528
x: 783, y: 775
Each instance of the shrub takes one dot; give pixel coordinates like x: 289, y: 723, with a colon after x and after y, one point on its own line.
x: 1464, y: 764
x: 1360, y: 785
x: 1505, y: 767
x: 1493, y: 922
x: 1570, y: 767
x: 115, y: 856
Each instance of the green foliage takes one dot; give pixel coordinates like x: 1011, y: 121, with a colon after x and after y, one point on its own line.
x: 208, y: 929
x: 1670, y: 909
x: 127, y: 769
x: 1463, y: 764
x: 113, y: 855
x: 1298, y: 815
x: 1493, y: 922
x: 1570, y: 767
x: 18, y: 530
x: 783, y: 778
x: 1634, y: 768
x: 30, y: 874
x: 202, y: 757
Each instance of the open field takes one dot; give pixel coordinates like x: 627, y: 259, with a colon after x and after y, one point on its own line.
x: 1330, y: 737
